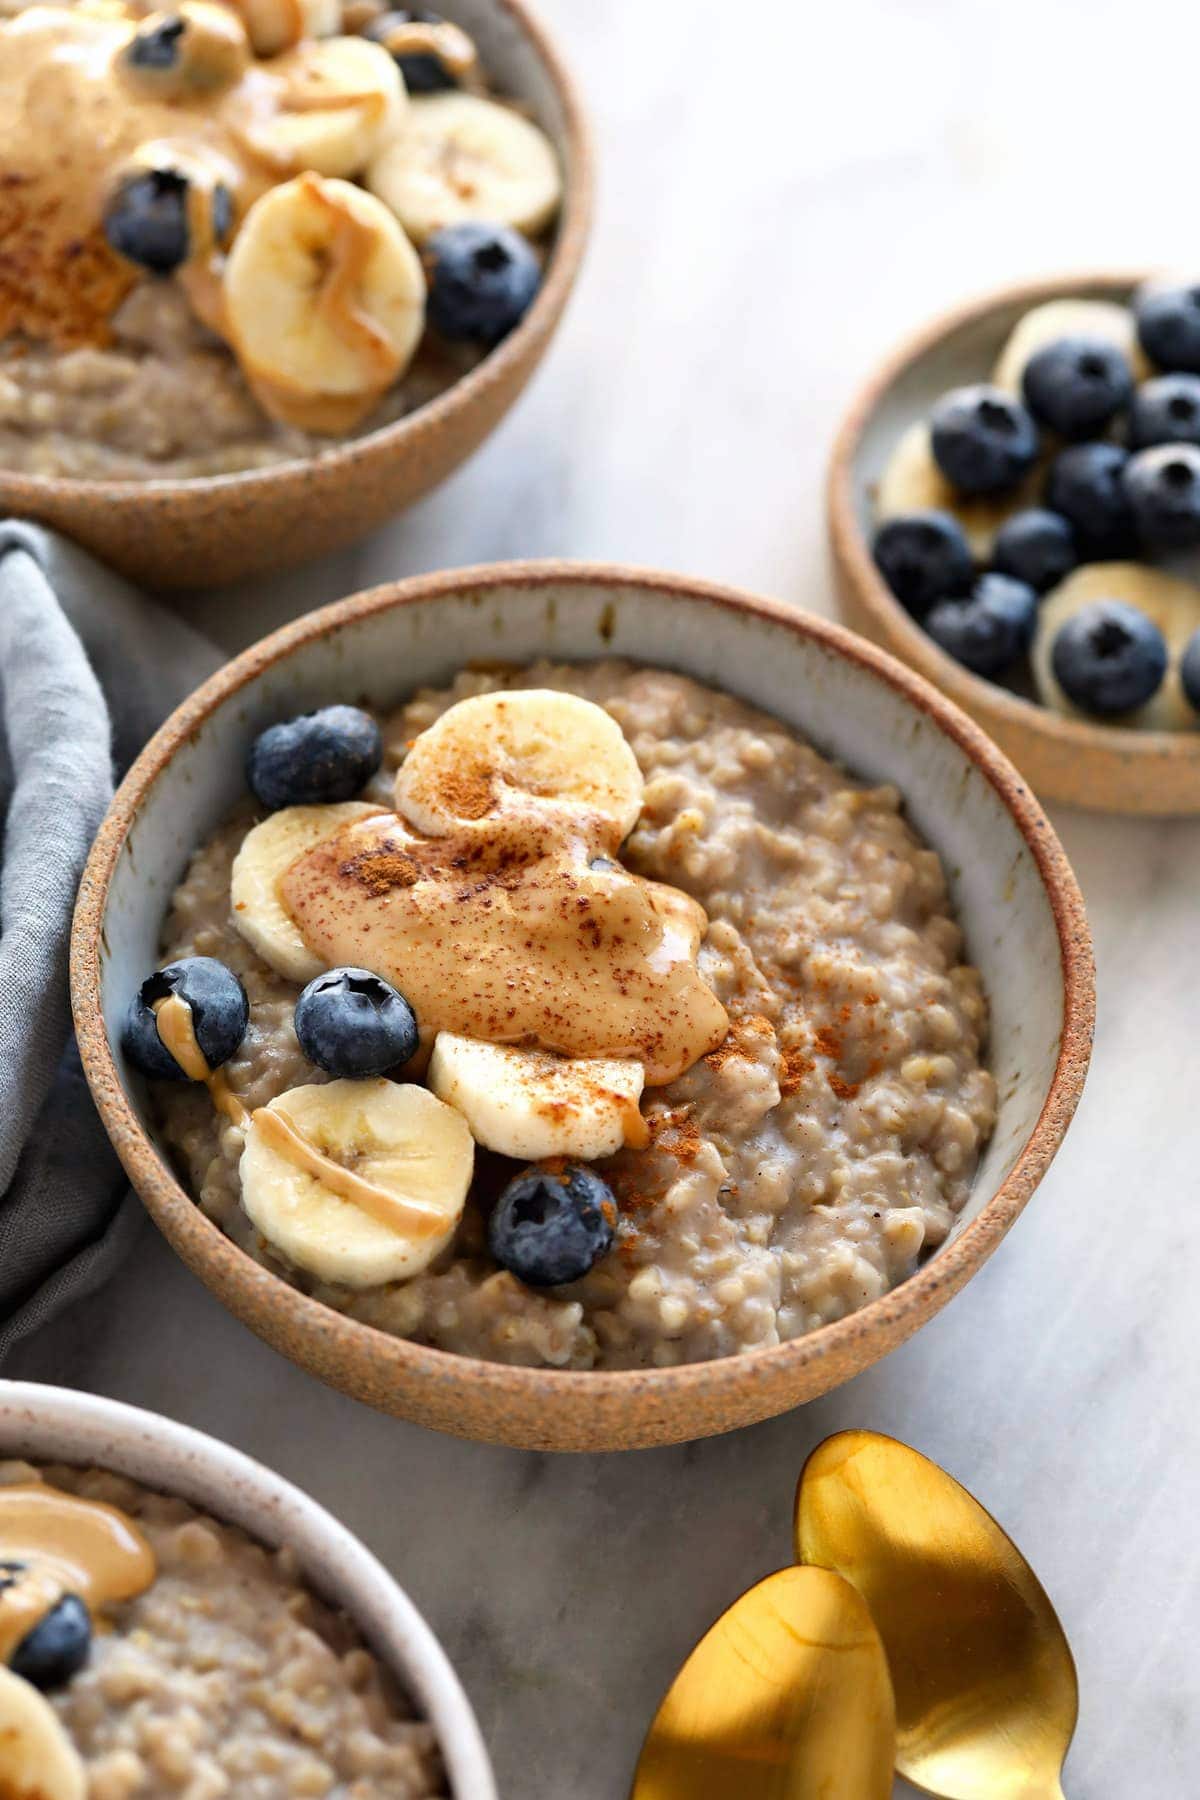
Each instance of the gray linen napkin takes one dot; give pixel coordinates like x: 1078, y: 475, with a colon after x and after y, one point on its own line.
x: 88, y: 668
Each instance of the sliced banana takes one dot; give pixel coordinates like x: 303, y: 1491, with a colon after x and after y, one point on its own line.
x: 396, y: 1139
x: 492, y: 751
x: 268, y: 850
x: 1172, y: 604
x: 338, y: 101
x: 530, y: 1105
x: 275, y: 25
x: 324, y: 302
x: 912, y: 482
x: 38, y: 1761
x: 462, y: 157
x: 1044, y: 325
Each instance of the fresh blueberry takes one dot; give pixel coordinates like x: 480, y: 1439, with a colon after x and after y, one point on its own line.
x: 552, y: 1225
x: 423, y: 73
x: 157, y: 44
x: 990, y: 628
x: 220, y: 1014
x: 1163, y: 485
x: 146, y: 219
x: 984, y: 441
x: 1037, y: 547
x: 1109, y: 657
x: 482, y: 280
x: 1189, y: 670
x: 1085, y: 485
x: 353, y: 1024
x: 923, y: 556
x: 1165, y: 411
x: 314, y: 759
x: 57, y: 1647
x: 1168, y: 326
x: 1077, y: 386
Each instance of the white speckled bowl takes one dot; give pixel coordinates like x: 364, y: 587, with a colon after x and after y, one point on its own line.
x: 1015, y: 893
x: 50, y: 1424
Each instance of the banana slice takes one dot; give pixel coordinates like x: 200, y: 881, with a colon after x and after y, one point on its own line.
x: 461, y: 157
x: 1044, y: 325
x: 363, y: 1183
x: 1172, y: 604
x: 267, y: 852
x: 488, y: 753
x: 275, y: 25
x: 530, y: 1105
x: 38, y: 1761
x: 324, y: 302
x: 912, y: 482
x: 339, y: 100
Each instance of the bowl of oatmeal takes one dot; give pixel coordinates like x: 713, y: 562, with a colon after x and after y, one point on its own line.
x: 628, y: 1010
x: 320, y: 250
x: 174, y: 1615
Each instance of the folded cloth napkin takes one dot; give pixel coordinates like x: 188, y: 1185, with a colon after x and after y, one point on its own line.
x: 88, y: 668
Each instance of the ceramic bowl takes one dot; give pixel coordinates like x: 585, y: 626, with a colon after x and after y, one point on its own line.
x: 50, y: 1424
x: 192, y: 533
x: 1084, y: 764
x: 1015, y: 893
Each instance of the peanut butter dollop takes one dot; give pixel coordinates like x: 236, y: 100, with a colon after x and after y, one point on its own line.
x: 53, y: 1544
x: 529, y: 932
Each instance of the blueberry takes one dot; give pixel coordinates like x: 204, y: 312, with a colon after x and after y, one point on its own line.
x: 1168, y: 326
x: 146, y: 219
x: 220, y: 1014
x: 157, y: 44
x: 1035, y: 546
x: 314, y: 759
x: 1163, y: 485
x: 1165, y: 411
x: 990, y: 628
x: 57, y: 1647
x: 552, y: 1225
x: 984, y: 441
x: 1085, y: 485
x: 1109, y: 657
x: 923, y: 556
x: 353, y: 1024
x: 1189, y: 670
x: 423, y: 72
x: 482, y: 280
x: 1077, y: 386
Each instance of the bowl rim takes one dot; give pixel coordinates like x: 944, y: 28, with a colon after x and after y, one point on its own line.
x: 901, y: 1310
x: 19, y: 490
x: 30, y: 1408
x: 852, y: 552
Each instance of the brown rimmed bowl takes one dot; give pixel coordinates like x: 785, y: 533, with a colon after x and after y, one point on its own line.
x: 1012, y: 886
x: 194, y: 532
x: 1103, y: 767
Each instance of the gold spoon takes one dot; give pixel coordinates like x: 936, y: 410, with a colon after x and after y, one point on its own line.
x: 786, y: 1698
x: 986, y: 1692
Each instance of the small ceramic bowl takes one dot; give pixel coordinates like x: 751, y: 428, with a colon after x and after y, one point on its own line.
x: 1014, y: 891
x: 1084, y: 764
x: 50, y: 1424
x: 203, y: 530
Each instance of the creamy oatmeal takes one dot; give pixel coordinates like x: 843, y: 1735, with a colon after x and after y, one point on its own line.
x: 799, y: 1168
x: 240, y: 231
x: 224, y: 1675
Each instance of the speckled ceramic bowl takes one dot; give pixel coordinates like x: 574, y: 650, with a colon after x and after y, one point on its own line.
x: 1084, y: 764
x: 56, y: 1425
x: 192, y: 533
x: 1015, y: 893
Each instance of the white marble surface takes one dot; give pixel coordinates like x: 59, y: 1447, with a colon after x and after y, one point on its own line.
x: 784, y: 190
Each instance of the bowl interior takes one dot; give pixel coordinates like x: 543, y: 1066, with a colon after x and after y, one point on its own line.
x: 848, y: 709
x: 53, y: 1424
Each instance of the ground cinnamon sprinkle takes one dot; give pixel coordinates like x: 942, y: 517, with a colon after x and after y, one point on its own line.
x: 379, y: 871
x: 469, y: 793
x: 55, y: 287
x: 794, y: 1066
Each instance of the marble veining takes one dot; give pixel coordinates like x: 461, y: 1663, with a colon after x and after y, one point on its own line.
x: 782, y: 193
